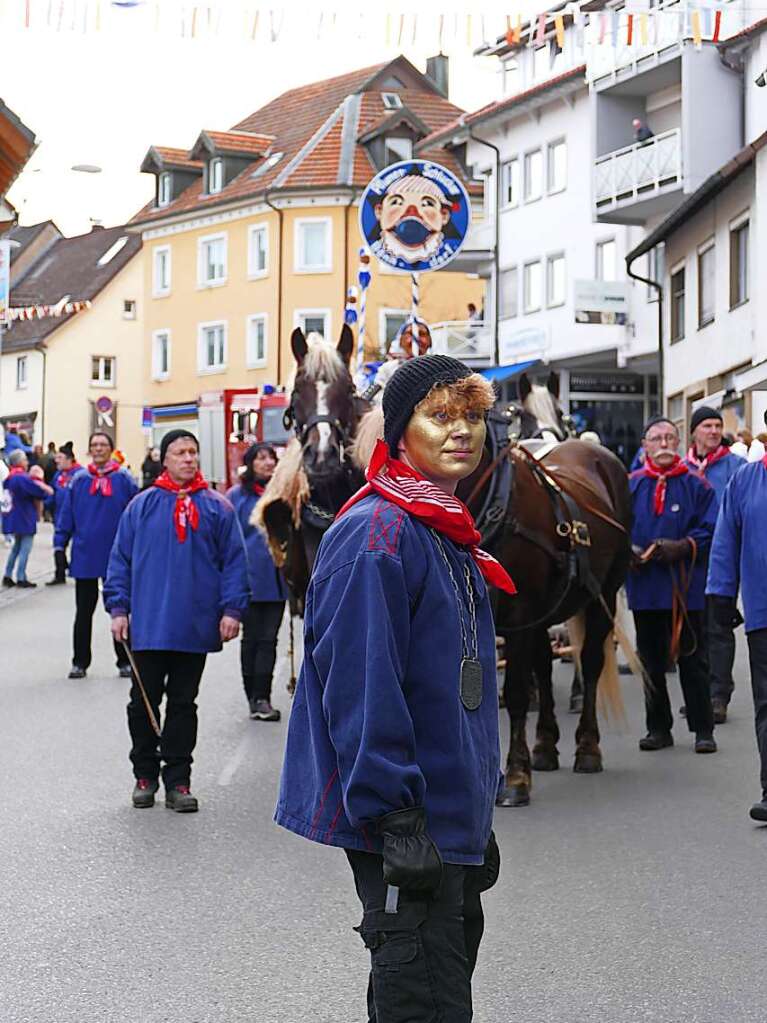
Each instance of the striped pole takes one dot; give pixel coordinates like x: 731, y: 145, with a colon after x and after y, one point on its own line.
x: 363, y: 279
x: 414, y: 299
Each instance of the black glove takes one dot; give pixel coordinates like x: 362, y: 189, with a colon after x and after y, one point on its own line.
x: 724, y: 611
x: 668, y: 551
x: 492, y: 865
x: 410, y: 859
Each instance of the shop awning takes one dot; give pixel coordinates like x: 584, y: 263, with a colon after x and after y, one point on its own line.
x: 501, y: 373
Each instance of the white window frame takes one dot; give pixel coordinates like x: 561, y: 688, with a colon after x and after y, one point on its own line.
x: 502, y: 315
x: 101, y: 381
x: 550, y: 259
x: 532, y: 152
x: 550, y: 190
x: 708, y: 246
x: 396, y: 157
x: 22, y: 373
x: 130, y: 307
x: 507, y: 177
x: 533, y: 308
x: 250, y: 362
x: 300, y: 316
x: 216, y: 162
x: 254, y: 273
x: 299, y: 266
x: 217, y: 282
x: 391, y: 100
x: 673, y: 271
x: 599, y: 260
x: 220, y: 367
x: 736, y: 224
x: 159, y: 291
x: 383, y: 344
x: 164, y: 185
x: 157, y: 373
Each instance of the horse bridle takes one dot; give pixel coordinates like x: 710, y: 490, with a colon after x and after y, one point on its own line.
x: 301, y: 430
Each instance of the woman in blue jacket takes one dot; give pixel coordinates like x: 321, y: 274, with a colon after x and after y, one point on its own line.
x: 20, y: 521
x: 261, y: 622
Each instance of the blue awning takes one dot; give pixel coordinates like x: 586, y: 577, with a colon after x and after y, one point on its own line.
x: 501, y: 373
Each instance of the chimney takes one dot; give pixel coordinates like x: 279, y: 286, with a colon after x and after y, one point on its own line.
x: 438, y: 70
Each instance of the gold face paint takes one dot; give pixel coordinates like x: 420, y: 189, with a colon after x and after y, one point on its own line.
x: 444, y: 444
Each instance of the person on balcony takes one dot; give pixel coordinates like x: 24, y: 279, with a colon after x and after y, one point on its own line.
x: 641, y: 132
x: 401, y: 350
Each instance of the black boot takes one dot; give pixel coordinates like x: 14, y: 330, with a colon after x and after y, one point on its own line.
x: 656, y: 740
x: 180, y: 799
x: 143, y: 793
x: 758, y: 811
x: 60, y: 560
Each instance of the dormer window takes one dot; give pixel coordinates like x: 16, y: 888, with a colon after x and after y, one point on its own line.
x: 215, y: 175
x: 397, y: 149
x: 391, y: 100
x: 164, y: 188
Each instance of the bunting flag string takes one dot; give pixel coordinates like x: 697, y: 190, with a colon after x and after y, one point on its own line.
x: 41, y: 312
x: 632, y: 26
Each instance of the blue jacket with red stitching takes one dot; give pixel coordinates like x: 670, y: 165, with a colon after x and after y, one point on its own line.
x: 377, y: 722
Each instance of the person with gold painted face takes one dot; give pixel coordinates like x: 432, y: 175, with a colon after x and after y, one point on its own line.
x: 392, y: 750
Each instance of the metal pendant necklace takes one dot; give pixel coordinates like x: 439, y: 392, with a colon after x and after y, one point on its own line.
x: 470, y: 677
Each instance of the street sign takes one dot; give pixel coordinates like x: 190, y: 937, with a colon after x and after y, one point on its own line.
x: 529, y: 341
x: 5, y: 282
x: 147, y: 417
x: 104, y: 404
x: 602, y: 302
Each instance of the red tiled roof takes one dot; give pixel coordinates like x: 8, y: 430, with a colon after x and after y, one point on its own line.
x: 441, y: 135
x: 175, y: 157
x: 240, y: 142
x: 315, y: 129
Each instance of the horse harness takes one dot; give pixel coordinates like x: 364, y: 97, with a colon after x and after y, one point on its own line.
x: 497, y: 516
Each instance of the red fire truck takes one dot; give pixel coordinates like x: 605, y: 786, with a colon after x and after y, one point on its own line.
x: 233, y: 419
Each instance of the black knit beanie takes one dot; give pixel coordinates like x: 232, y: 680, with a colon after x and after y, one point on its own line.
x: 175, y: 435
x: 409, y: 385
x: 652, y: 422
x: 701, y: 413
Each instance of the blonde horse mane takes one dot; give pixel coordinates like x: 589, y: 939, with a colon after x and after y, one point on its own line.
x: 541, y: 403
x: 290, y: 485
x: 369, y: 431
x: 322, y: 361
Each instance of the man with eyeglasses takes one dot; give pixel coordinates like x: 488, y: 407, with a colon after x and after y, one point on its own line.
x: 674, y: 517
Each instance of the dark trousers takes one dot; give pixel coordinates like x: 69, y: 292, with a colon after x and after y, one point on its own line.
x: 86, y: 600
x: 423, y: 956
x: 721, y: 655
x: 653, y: 633
x: 61, y: 565
x: 258, y: 648
x: 176, y: 675
x: 757, y: 657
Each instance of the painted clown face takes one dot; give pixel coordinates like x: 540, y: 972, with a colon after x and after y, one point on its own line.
x: 412, y: 215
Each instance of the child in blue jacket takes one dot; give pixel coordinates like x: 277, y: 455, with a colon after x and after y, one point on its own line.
x: 392, y: 749
x: 268, y: 593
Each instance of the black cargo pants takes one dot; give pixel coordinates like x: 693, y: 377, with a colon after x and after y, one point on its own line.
x: 422, y: 957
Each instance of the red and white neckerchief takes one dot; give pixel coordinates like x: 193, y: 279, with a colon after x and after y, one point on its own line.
x: 100, y: 477
x: 677, y: 468
x: 185, y: 511
x: 422, y: 499
x: 65, y: 475
x: 704, y: 464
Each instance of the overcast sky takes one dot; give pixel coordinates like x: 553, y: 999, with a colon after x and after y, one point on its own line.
x: 103, y: 95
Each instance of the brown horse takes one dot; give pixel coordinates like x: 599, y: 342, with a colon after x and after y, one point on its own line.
x: 564, y: 537
x: 316, y: 475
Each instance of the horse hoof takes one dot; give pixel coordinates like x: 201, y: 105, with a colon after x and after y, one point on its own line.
x: 514, y: 795
x: 576, y: 705
x: 587, y: 763
x: 545, y: 760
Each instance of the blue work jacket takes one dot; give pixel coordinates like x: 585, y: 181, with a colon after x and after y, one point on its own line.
x: 23, y: 491
x: 739, y: 551
x: 90, y: 521
x: 690, y: 511
x: 266, y: 582
x: 377, y: 722
x: 720, y: 473
x: 176, y: 593
x: 62, y: 480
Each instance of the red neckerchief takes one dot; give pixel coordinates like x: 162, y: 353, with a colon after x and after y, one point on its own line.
x: 258, y: 489
x: 17, y: 471
x: 705, y: 463
x: 677, y: 468
x: 100, y: 481
x: 185, y: 511
x: 65, y: 475
x: 423, y: 500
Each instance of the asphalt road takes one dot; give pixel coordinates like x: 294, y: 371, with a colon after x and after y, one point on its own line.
x: 633, y: 895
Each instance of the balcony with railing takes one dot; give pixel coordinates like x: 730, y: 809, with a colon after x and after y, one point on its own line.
x: 642, y: 180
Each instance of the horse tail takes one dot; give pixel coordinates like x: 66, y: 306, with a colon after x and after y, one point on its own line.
x: 609, y: 694
x: 369, y: 431
x: 576, y: 631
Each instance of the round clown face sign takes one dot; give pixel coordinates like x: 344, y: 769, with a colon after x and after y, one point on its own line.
x: 414, y: 216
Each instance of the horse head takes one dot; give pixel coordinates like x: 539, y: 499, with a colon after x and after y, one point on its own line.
x: 540, y: 412
x: 323, y: 411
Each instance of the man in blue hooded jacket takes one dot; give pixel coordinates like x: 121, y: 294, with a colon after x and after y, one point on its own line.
x: 714, y: 461
x: 392, y: 749
x: 177, y: 584
x: 674, y: 515
x: 90, y: 512
x: 738, y: 561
